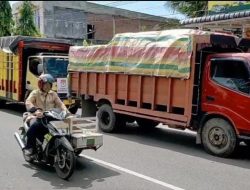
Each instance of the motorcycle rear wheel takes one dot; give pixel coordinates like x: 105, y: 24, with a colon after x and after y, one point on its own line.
x: 64, y: 162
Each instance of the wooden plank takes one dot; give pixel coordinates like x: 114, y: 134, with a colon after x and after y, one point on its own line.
x: 149, y: 112
x: 139, y: 92
x: 163, y: 120
x: 169, y: 106
x: 105, y: 83
x: 115, y: 88
x: 78, y: 84
x: 153, y: 93
x: 126, y: 84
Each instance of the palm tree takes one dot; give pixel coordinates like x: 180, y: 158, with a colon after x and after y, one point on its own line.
x: 189, y: 8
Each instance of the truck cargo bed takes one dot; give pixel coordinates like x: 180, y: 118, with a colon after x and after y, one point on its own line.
x: 153, y: 97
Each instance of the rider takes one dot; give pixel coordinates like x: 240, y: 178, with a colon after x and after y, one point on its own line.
x: 39, y: 100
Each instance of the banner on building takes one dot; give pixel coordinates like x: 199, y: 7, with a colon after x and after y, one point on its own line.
x: 217, y: 7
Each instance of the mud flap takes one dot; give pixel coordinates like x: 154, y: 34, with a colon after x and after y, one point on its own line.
x: 198, y: 136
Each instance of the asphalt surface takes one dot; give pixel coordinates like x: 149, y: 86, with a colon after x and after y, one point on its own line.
x: 130, y: 159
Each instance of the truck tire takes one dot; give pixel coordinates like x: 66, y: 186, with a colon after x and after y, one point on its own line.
x: 218, y: 137
x: 106, y: 118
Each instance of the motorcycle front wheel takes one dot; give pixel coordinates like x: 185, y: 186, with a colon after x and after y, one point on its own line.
x: 64, y: 162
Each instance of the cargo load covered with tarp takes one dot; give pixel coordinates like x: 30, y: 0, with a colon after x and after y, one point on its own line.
x: 157, y: 53
x: 9, y: 44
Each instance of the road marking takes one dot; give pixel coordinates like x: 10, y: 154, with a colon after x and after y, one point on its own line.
x: 133, y: 173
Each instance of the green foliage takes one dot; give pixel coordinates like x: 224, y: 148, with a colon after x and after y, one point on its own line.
x: 85, y: 43
x: 189, y: 8
x: 170, y: 24
x: 6, y: 21
x: 25, y: 25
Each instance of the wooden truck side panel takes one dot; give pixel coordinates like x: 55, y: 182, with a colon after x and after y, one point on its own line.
x: 9, y: 75
x: 158, y: 98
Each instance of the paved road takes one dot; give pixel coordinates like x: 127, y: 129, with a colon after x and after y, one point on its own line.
x: 166, y: 159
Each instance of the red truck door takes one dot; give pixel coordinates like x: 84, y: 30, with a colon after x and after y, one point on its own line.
x: 226, y: 90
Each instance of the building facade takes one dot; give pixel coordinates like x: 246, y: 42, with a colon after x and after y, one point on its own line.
x: 79, y: 20
x: 224, y: 16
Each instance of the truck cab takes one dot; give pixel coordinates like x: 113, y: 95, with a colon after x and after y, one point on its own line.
x: 55, y: 64
x: 226, y: 99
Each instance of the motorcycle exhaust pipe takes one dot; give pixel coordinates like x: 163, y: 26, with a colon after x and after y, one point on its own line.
x: 19, y: 140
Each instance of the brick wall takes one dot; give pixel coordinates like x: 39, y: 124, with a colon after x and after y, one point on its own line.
x: 107, y: 25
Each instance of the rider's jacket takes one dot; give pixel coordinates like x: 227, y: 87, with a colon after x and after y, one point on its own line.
x: 45, y: 101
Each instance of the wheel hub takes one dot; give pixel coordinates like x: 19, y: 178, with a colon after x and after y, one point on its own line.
x: 217, y: 137
x: 105, y: 118
x: 61, y: 160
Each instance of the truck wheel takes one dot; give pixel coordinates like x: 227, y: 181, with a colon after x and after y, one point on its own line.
x: 218, y: 137
x: 106, y: 118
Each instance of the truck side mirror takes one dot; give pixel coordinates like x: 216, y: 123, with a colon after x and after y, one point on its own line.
x: 40, y: 68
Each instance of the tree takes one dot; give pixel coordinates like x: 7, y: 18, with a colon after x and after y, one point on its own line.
x: 85, y: 43
x: 25, y: 25
x: 6, y: 21
x: 189, y: 8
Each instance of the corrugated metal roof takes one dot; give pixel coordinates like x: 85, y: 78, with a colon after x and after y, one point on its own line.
x: 218, y: 17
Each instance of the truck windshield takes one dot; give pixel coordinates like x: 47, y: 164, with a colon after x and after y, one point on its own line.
x: 56, y: 66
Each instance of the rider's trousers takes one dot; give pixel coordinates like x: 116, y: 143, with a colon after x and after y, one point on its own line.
x: 36, y: 130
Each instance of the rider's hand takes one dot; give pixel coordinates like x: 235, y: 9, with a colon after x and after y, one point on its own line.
x: 64, y: 113
x: 38, y: 113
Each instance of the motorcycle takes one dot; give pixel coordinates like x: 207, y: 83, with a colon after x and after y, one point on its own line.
x: 55, y: 149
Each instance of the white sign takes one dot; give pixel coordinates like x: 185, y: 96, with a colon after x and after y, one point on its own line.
x: 62, y: 85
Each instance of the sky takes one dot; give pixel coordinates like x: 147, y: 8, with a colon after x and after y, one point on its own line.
x: 149, y: 7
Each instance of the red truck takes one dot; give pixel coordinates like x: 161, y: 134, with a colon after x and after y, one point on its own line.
x: 184, y: 79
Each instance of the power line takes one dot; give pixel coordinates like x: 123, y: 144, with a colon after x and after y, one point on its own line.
x: 130, y: 2
x: 108, y: 20
x: 147, y: 15
x: 118, y: 3
x: 116, y: 19
x: 101, y: 8
x: 150, y: 16
x: 126, y: 18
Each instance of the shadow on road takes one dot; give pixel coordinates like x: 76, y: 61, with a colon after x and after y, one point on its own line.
x: 85, y: 174
x: 182, y: 142
x: 175, y: 140
x: 14, y: 108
